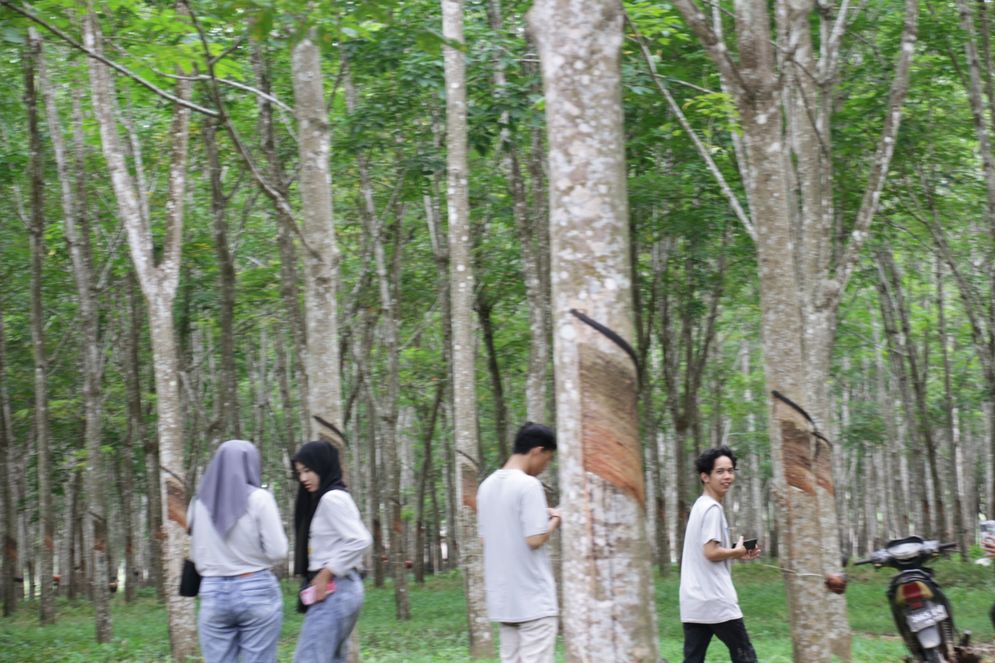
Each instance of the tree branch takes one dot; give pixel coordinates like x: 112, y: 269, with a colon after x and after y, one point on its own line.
x: 682, y: 119
x: 833, y: 290
x: 716, y: 48
x: 235, y: 84
x: 110, y: 63
x: 278, y: 199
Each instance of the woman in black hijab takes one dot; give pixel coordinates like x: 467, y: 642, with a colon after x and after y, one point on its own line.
x: 330, y: 543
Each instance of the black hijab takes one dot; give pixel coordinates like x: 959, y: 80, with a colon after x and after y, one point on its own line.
x: 322, y: 459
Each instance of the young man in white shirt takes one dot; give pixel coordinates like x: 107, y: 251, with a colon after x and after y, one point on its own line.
x: 515, y: 523
x: 709, y: 605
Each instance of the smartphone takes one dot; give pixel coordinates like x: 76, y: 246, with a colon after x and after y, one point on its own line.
x: 307, y: 594
x: 750, y: 544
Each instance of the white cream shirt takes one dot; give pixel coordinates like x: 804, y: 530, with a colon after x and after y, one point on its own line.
x: 707, y: 595
x: 338, y: 537
x: 255, y: 542
x: 511, y: 506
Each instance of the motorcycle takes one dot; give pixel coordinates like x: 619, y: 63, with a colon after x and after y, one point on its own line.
x: 921, y: 611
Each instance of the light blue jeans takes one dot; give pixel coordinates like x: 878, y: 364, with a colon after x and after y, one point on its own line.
x: 240, y: 616
x: 324, y: 636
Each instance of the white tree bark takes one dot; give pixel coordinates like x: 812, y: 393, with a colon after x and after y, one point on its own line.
x: 464, y: 342
x: 36, y: 233
x: 158, y: 282
x: 530, y: 231
x: 608, y: 610
x: 321, y: 256
x: 800, y: 281
x: 95, y: 475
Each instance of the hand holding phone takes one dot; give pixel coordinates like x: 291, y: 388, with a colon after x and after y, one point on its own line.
x: 308, y: 593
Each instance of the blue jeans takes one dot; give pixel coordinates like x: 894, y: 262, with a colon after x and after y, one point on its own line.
x: 240, y: 616
x: 325, y: 633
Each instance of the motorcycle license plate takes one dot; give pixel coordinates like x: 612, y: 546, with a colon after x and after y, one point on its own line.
x: 920, y: 619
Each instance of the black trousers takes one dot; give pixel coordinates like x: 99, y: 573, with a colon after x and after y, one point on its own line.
x: 732, y: 633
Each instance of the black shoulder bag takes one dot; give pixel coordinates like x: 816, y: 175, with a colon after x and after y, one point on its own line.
x: 189, y: 577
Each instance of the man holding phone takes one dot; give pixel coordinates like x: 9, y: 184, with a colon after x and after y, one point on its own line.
x: 709, y: 604
x: 515, y: 525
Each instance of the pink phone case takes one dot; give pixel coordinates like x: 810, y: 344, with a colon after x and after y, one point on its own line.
x: 307, y: 594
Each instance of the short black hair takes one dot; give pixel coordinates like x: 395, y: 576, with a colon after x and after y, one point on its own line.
x: 706, y: 461
x: 532, y: 435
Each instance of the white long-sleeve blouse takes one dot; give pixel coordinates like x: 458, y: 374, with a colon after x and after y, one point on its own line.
x: 256, y: 541
x: 338, y: 537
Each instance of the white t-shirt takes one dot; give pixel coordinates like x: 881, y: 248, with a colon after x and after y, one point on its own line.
x: 338, y: 538
x: 511, y: 506
x: 707, y: 593
x: 255, y: 542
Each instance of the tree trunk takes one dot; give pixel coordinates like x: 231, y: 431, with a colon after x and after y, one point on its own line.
x: 386, y: 409
x: 685, y: 342
x: 77, y: 229
x: 11, y: 590
x: 374, y: 497
x: 657, y: 525
x: 136, y: 432
x: 803, y: 272
x: 894, y: 297
x: 158, y: 281
x: 126, y: 490
x: 435, y: 536
x: 72, y: 571
x: 980, y: 308
x: 784, y: 367
x: 227, y: 392
x: 425, y: 484
x: 608, y: 612
x: 463, y: 340
x: 440, y: 249
x: 461, y: 280
x: 321, y: 257
x: 484, y: 308
x: 535, y: 260
x: 46, y: 514
x: 289, y: 277
x: 407, y: 435
x: 755, y: 481
x: 540, y: 352
x: 953, y: 429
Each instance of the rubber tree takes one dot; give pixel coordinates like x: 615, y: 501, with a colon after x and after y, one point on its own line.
x: 158, y: 278
x: 608, y: 612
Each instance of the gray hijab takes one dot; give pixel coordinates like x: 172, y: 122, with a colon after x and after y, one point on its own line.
x: 229, y: 480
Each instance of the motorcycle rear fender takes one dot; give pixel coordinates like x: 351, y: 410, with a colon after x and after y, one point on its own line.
x: 930, y: 637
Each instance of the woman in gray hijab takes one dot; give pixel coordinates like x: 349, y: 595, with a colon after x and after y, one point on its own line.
x: 236, y: 536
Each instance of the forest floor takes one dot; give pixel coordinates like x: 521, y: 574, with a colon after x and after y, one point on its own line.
x: 437, y: 630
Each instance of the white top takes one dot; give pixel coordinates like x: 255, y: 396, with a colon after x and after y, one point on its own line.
x: 707, y: 593
x: 511, y: 506
x: 255, y: 542
x: 338, y: 538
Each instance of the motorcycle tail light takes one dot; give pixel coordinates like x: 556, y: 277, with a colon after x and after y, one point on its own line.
x: 914, y: 593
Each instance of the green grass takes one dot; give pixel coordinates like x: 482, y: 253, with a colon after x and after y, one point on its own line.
x: 437, y: 629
